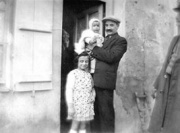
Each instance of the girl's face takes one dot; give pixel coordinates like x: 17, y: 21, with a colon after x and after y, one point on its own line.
x: 83, y: 62
x: 96, y: 26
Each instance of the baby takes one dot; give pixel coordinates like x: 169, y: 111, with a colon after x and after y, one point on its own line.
x: 90, y: 37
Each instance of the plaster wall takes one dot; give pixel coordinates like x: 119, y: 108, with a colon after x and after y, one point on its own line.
x: 148, y: 26
x: 22, y: 113
x: 38, y: 111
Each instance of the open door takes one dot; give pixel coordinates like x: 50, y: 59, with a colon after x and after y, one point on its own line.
x: 76, y: 15
x: 82, y: 21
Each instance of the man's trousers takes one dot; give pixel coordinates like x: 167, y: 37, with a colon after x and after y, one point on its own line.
x: 104, y: 111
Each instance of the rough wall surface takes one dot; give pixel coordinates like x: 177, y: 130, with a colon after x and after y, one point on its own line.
x: 149, y: 26
x: 22, y: 113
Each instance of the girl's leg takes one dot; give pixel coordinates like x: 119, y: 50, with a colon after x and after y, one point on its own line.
x: 82, y: 128
x: 74, y: 126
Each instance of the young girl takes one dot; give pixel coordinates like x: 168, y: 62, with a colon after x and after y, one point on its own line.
x: 80, y: 94
x: 90, y: 37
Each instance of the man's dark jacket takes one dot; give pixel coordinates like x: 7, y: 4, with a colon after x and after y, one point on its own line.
x: 108, y: 58
x: 165, y: 117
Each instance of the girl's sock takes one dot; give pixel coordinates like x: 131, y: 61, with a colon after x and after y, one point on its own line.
x: 82, y: 131
x: 72, y: 131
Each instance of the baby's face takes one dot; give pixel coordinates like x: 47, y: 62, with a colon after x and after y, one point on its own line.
x: 96, y: 26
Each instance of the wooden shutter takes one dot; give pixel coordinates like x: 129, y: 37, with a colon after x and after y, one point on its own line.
x: 3, y: 44
x: 2, y: 62
x: 32, y: 64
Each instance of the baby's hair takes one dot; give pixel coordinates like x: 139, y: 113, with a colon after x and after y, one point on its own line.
x: 84, y: 53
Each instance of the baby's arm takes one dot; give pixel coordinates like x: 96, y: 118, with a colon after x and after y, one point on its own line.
x: 90, y: 40
x: 100, y: 40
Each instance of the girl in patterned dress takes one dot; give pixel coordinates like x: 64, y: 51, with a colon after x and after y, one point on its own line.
x: 80, y: 95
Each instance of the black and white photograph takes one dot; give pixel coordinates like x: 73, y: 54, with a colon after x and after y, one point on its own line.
x: 89, y: 66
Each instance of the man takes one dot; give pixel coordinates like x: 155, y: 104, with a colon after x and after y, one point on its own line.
x: 108, y: 58
x: 166, y: 113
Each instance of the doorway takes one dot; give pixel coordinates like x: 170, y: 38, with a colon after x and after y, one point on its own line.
x: 76, y: 15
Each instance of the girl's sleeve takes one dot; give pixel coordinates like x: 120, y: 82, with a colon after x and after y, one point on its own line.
x: 93, y: 90
x: 92, y: 81
x: 69, y: 88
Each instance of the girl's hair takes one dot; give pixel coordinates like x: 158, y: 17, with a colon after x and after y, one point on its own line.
x: 84, y: 53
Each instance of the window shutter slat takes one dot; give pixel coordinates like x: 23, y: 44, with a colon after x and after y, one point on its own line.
x: 33, y: 46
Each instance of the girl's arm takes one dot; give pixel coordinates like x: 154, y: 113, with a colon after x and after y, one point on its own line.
x: 69, y: 93
x: 93, y: 90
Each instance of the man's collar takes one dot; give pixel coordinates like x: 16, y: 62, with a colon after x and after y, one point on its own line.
x: 110, y: 35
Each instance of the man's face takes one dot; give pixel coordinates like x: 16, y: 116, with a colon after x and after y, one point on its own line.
x: 111, y: 27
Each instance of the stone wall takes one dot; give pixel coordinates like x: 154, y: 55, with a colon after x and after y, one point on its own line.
x: 148, y: 26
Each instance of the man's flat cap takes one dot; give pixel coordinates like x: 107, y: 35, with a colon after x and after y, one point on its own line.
x: 111, y: 18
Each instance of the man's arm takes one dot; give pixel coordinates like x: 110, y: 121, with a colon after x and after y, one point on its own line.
x: 111, y: 55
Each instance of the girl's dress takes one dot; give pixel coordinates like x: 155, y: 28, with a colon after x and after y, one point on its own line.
x: 81, y: 94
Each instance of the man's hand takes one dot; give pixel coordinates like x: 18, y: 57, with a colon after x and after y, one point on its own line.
x: 93, y: 40
x: 154, y: 93
x: 91, y: 46
x: 168, y: 70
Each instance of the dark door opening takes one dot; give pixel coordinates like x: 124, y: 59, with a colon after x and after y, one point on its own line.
x: 76, y: 15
